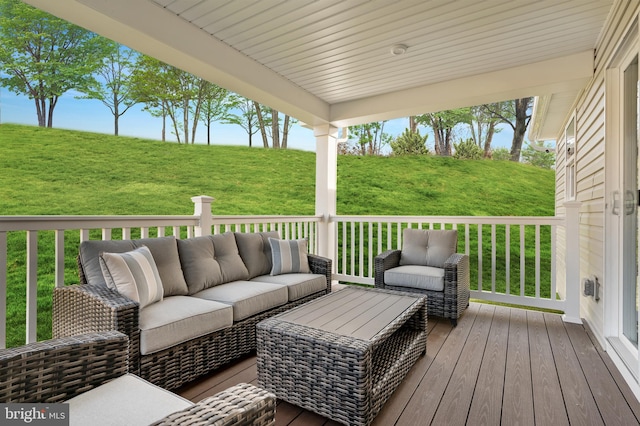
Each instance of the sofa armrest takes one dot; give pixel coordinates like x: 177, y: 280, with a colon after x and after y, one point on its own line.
x: 58, y: 369
x: 456, y: 283
x: 86, y: 308
x: 321, y: 265
x: 385, y: 260
x: 243, y: 404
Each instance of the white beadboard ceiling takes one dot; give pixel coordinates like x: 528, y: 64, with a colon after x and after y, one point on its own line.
x: 329, y: 61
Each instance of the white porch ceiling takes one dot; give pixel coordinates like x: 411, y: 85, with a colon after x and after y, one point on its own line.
x: 329, y: 61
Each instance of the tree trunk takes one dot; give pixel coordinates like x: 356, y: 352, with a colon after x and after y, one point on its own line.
x: 487, y: 142
x: 413, y: 126
x: 263, y: 131
x: 164, y: 122
x: 522, y: 120
x: 185, y: 120
x: 116, y: 114
x: 50, y: 113
x: 275, y: 129
x: 208, y: 133
x: 285, y: 131
x: 40, y: 112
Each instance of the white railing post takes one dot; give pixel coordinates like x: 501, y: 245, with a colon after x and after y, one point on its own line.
x: 202, y: 209
x: 572, y: 262
x: 326, y: 185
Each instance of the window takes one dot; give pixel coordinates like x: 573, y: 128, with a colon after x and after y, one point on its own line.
x: 570, y: 152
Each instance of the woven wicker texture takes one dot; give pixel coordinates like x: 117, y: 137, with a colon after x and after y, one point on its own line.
x: 243, y: 404
x: 338, y: 376
x: 59, y: 369
x: 84, y: 308
x: 449, y: 303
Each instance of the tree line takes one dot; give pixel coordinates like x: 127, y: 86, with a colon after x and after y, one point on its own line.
x: 44, y: 57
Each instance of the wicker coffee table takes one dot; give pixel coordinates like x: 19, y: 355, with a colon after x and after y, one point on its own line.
x: 343, y: 354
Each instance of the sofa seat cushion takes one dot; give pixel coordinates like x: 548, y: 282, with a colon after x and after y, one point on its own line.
x: 248, y: 298
x: 298, y: 285
x: 416, y: 276
x: 177, y: 319
x: 127, y: 400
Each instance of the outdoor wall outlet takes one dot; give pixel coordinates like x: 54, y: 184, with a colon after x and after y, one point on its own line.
x: 591, y: 287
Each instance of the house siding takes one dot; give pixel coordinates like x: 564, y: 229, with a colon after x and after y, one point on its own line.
x: 590, y: 166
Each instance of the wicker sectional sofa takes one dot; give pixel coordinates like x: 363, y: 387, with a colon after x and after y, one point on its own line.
x: 215, y: 289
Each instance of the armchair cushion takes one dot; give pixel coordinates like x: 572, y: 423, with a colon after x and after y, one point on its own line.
x: 127, y: 400
x: 427, y: 247
x: 133, y: 274
x: 415, y: 276
x: 289, y: 256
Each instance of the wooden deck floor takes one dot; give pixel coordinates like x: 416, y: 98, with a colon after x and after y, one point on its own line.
x: 498, y: 366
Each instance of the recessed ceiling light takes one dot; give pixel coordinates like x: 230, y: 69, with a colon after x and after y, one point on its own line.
x: 399, y: 49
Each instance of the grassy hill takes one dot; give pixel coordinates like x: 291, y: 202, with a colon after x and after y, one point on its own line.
x: 60, y: 172
x: 51, y: 171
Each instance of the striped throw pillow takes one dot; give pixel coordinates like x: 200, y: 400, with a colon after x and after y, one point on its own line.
x: 133, y: 274
x: 288, y: 256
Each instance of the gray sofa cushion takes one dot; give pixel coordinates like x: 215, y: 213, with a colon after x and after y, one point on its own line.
x: 415, y: 276
x: 255, y: 251
x: 201, y: 270
x: 127, y: 400
x: 247, y: 297
x: 164, y: 251
x: 177, y: 319
x: 228, y: 257
x: 298, y: 285
x: 428, y: 247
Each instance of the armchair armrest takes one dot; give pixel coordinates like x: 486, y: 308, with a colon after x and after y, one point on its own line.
x: 456, y: 284
x: 385, y: 260
x: 58, y: 369
x: 243, y: 404
x: 87, y: 308
x: 321, y: 265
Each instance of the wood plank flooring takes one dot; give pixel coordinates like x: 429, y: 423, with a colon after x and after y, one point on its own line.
x: 499, y: 366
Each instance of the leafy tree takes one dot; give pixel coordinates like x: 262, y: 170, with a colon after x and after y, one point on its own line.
x: 517, y: 114
x: 247, y: 119
x: 410, y: 143
x: 216, y: 104
x: 44, y: 57
x: 114, y: 87
x: 443, y: 123
x: 545, y: 159
x: 370, y: 138
x: 483, y: 126
x: 468, y: 150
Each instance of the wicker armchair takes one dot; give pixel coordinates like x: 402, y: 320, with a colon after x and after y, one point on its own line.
x: 58, y: 370
x: 428, y: 264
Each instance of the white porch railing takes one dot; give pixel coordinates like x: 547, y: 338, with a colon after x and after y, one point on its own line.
x: 48, y: 245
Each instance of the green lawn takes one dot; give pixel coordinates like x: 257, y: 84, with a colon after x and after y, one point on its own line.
x: 50, y: 171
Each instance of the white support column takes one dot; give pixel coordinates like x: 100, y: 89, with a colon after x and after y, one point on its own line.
x: 202, y: 209
x: 572, y: 262
x: 326, y: 187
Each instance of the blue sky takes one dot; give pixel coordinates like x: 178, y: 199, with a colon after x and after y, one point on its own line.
x: 93, y: 116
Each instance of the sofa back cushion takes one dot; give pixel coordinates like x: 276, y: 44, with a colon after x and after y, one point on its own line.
x: 163, y: 249
x: 255, y: 251
x: 211, y: 260
x: 428, y: 247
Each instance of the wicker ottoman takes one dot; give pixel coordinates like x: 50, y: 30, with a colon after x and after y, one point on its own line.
x: 344, y: 354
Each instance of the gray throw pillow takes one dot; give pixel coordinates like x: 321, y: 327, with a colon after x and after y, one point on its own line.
x: 255, y: 251
x: 133, y: 274
x: 289, y: 256
x: 165, y: 252
x: 428, y: 247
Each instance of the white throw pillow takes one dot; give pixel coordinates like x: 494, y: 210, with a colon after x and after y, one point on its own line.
x: 133, y: 274
x: 288, y: 256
